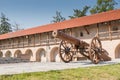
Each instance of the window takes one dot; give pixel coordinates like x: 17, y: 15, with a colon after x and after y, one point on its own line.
x: 115, y: 28
x: 19, y: 41
x: 50, y: 35
x: 81, y: 34
x: 29, y: 39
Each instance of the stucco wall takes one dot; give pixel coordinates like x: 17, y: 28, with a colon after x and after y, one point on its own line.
x: 43, y: 52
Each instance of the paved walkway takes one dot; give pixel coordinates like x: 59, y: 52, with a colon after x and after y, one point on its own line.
x: 17, y: 68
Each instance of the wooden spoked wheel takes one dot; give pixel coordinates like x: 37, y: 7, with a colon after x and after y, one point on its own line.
x: 95, y: 50
x: 66, y: 51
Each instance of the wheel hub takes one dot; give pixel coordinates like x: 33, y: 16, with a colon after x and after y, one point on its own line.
x: 67, y: 50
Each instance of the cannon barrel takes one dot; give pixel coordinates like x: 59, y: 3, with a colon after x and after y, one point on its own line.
x: 65, y: 37
x: 94, y: 51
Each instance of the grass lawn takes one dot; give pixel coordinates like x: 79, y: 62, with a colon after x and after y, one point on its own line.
x: 109, y: 72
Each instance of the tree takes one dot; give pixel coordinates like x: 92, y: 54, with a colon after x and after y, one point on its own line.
x: 79, y: 13
x: 16, y: 27
x: 103, y: 6
x: 5, y: 26
x: 58, y: 17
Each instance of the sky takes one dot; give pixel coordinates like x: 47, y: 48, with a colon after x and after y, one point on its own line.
x: 32, y: 13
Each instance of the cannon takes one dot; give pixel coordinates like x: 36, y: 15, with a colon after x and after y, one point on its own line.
x: 70, y: 46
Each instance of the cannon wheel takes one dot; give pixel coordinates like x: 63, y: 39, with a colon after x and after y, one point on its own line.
x: 65, y: 51
x: 95, y: 50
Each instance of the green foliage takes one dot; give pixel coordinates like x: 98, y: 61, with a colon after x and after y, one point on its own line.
x: 109, y: 72
x: 103, y: 6
x: 79, y: 13
x: 5, y: 26
x: 58, y: 17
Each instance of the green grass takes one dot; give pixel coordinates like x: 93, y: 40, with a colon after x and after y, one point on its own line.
x: 109, y: 72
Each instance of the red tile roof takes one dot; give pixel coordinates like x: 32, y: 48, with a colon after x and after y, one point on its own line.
x: 82, y: 21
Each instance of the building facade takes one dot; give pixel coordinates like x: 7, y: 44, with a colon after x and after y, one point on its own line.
x: 37, y: 44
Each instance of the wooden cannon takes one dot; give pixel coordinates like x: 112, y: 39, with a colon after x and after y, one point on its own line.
x: 70, y: 46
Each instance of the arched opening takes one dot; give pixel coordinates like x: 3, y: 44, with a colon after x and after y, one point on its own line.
x: 117, y: 51
x: 8, y: 54
x: 40, y: 55
x: 18, y: 54
x: 54, y: 56
x: 28, y: 54
x: 1, y: 54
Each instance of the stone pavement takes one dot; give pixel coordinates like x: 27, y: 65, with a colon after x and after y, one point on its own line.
x: 17, y: 68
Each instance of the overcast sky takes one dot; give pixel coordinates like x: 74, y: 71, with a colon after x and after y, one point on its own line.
x: 32, y: 13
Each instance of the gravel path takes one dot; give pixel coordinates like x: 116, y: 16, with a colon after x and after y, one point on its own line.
x: 17, y: 68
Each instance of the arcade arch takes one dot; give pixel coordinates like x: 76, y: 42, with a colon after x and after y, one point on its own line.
x: 40, y: 55
x: 1, y: 54
x: 28, y: 55
x: 117, y: 51
x: 18, y: 54
x: 54, y: 56
x: 8, y: 54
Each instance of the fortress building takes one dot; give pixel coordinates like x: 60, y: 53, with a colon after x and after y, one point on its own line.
x: 37, y: 44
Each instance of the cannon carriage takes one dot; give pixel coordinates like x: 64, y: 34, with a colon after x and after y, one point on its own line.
x: 70, y: 46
